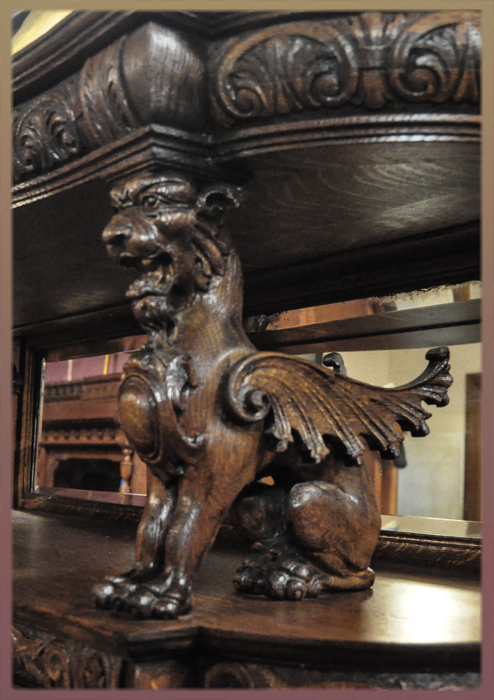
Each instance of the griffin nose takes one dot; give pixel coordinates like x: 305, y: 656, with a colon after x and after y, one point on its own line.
x: 116, y: 235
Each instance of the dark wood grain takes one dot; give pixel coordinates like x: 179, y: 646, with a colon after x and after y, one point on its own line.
x: 407, y: 621
x: 473, y: 449
x: 349, y: 196
x: 308, y: 256
x: 454, y: 323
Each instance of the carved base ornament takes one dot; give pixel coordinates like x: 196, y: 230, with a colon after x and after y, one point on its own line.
x: 211, y: 416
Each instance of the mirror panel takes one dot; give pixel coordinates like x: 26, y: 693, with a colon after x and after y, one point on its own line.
x: 83, y: 453
x: 82, y: 450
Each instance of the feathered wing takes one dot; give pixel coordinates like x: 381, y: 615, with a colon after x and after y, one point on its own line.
x: 316, y: 402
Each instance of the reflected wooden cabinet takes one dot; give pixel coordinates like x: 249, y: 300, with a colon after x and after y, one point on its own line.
x: 80, y: 439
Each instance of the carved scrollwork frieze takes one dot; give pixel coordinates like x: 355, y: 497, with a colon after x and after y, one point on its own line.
x: 41, y: 660
x: 155, y: 75
x: 232, y: 674
x: 45, y: 134
x: 152, y: 76
x: 369, y: 59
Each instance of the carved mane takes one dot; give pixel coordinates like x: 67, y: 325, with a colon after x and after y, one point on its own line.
x: 172, y: 231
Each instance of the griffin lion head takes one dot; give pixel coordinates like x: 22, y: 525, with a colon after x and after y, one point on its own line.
x: 169, y: 229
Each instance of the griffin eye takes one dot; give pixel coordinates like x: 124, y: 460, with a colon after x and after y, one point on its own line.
x: 150, y: 202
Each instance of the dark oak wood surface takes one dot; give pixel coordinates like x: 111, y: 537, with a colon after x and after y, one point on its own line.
x: 448, y: 324
x: 407, y: 619
x: 361, y: 179
x: 318, y: 224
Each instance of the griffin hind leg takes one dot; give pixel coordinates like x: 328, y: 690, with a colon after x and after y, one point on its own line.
x: 275, y: 568
x: 323, y: 540
x: 337, y: 531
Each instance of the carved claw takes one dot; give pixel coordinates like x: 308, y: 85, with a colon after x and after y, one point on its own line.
x: 170, y: 607
x: 102, y: 594
x: 293, y: 579
x: 112, y: 593
x: 249, y: 578
x: 145, y: 602
x: 279, y: 574
x: 141, y: 604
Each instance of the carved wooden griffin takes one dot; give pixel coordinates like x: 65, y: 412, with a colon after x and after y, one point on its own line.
x: 211, y: 416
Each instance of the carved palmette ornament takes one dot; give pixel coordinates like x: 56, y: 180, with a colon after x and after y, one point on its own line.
x: 283, y: 69
x: 45, y: 135
x: 369, y: 60
x: 151, y: 400
x: 438, y: 59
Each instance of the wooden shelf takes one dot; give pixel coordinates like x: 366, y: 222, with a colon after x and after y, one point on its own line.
x: 404, y: 623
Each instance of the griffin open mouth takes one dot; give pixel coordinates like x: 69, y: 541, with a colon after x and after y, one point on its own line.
x: 155, y: 279
x: 151, y: 263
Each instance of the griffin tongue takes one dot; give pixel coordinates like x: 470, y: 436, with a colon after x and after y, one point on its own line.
x: 154, y: 282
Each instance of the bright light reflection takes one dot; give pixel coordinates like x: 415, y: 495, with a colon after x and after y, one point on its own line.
x: 428, y: 613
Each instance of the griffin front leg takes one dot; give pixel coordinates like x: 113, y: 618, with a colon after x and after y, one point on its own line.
x: 149, y: 556
x: 205, y: 493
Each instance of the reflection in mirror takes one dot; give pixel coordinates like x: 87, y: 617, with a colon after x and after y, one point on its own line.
x: 383, y: 341
x: 437, y: 527
x: 82, y: 451
x: 437, y: 476
x: 81, y: 447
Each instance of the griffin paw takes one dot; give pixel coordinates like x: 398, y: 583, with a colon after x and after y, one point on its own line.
x: 251, y: 576
x: 150, y: 602
x: 112, y: 593
x: 294, y: 579
x: 279, y: 572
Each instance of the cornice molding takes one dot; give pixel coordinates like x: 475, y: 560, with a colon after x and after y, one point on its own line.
x: 372, y: 75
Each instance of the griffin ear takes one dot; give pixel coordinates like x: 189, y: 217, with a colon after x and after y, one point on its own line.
x: 213, y: 202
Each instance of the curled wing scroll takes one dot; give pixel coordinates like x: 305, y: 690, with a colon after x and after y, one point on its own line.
x: 298, y: 396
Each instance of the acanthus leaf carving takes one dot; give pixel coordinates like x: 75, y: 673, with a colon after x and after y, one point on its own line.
x: 42, y: 660
x: 369, y: 60
x: 284, y: 69
x: 105, y: 105
x: 45, y: 135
